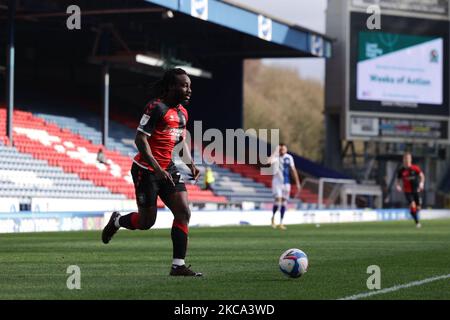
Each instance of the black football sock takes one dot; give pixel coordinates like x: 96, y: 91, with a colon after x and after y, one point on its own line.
x: 274, y: 209
x: 179, y: 235
x: 282, y: 211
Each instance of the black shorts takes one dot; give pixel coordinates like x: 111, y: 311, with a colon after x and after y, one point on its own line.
x: 148, y: 188
x: 413, y: 196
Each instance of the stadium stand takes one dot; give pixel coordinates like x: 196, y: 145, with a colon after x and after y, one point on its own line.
x: 23, y: 176
x: 308, y: 197
x: 121, y: 137
x: 233, y: 186
x: 252, y: 172
x: 74, y: 154
x: 84, y: 119
x: 230, y: 185
x: 72, y: 142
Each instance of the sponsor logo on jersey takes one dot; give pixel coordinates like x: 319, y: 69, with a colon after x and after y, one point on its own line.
x: 176, y: 132
x: 144, y: 120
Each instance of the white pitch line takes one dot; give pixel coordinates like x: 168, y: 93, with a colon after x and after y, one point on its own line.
x: 395, y: 288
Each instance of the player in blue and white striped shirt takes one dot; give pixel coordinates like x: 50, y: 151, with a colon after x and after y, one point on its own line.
x: 283, y: 167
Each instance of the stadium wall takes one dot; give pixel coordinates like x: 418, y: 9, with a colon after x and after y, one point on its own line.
x: 78, y: 221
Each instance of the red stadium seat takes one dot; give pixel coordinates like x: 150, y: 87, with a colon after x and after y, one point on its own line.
x: 29, y: 143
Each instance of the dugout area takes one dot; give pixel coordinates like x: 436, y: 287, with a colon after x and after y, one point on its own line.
x: 55, y: 65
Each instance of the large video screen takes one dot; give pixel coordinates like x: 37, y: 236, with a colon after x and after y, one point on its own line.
x: 402, y: 68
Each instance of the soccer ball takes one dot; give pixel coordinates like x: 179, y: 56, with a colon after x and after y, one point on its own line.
x: 293, y: 263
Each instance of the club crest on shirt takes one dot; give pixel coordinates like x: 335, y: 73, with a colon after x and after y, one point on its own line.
x: 144, y: 119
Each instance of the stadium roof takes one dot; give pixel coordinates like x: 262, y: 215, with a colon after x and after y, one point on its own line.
x: 269, y: 36
x: 192, y: 29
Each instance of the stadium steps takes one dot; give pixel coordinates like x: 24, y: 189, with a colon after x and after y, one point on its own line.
x: 23, y: 176
x: 87, y: 126
x: 121, y: 138
x: 232, y: 185
x: 123, y: 131
x: 120, y: 134
x: 254, y: 173
x: 75, y: 154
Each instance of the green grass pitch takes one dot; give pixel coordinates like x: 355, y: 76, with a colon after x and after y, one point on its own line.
x: 238, y: 262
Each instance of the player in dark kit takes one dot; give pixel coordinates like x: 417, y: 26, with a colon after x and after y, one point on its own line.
x: 413, y: 183
x: 162, y: 126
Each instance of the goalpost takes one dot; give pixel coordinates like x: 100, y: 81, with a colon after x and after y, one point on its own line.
x: 336, y: 192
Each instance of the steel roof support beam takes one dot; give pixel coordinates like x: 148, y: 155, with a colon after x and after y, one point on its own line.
x: 10, y: 70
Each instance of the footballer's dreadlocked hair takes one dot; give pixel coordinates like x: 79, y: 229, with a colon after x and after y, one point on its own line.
x: 160, y: 87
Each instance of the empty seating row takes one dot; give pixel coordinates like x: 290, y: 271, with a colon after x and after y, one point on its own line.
x: 35, y: 178
x: 227, y: 182
x: 73, y: 153
x: 89, y: 128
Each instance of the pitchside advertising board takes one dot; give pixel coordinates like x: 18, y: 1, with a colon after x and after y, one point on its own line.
x: 399, y: 75
x: 76, y: 221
